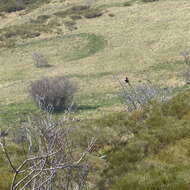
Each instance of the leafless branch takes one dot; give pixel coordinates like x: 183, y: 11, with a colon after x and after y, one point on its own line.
x: 53, y: 157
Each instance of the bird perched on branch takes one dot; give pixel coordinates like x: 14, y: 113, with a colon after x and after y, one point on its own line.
x: 127, y: 80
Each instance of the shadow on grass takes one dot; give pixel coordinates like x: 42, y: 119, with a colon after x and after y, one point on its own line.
x: 87, y: 107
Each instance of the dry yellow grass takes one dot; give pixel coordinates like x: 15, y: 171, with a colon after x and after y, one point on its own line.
x: 138, y: 37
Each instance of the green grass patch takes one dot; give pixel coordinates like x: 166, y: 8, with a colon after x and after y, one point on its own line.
x: 15, y: 76
x: 17, y: 154
x: 107, y: 6
x: 95, y: 44
x: 97, y: 100
x: 14, y: 113
x: 71, y: 47
x: 123, y: 4
x: 90, y: 76
x: 117, y: 4
x: 169, y: 66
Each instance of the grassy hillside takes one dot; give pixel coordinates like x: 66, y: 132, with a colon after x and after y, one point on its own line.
x: 94, y: 46
x: 142, y: 41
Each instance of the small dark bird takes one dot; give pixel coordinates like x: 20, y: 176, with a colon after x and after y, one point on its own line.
x: 127, y: 80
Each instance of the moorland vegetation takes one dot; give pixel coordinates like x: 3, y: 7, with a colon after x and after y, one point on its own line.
x: 94, y: 95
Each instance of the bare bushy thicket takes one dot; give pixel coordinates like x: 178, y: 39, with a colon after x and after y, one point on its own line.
x: 40, y: 60
x: 135, y: 97
x: 53, y: 160
x: 55, y: 92
x: 186, y: 73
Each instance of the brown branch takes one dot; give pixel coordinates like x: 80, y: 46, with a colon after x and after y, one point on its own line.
x: 38, y: 171
x: 7, y: 154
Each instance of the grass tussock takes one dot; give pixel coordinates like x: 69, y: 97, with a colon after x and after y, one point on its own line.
x: 17, y: 5
x: 78, y: 12
x: 25, y: 31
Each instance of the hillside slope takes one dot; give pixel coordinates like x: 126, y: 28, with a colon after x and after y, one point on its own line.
x: 142, y: 41
x: 97, y: 46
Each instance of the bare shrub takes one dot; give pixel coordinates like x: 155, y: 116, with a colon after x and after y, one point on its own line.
x: 53, y: 160
x: 186, y: 73
x: 134, y: 97
x: 55, y: 92
x: 40, y: 60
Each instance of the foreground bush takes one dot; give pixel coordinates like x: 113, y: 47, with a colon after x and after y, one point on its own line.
x: 55, y: 94
x: 46, y: 157
x: 157, y: 155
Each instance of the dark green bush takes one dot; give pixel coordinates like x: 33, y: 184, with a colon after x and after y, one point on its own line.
x: 157, y: 177
x: 156, y: 157
x: 93, y: 14
x: 111, y: 14
x: 126, y: 4
x: 17, y: 5
x: 77, y: 12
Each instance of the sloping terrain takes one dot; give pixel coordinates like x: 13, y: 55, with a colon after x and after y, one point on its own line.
x: 142, y: 41
x: 96, y: 46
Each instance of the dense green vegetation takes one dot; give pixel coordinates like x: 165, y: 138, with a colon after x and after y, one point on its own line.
x: 99, y: 46
x: 147, y: 149
x: 157, y: 156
